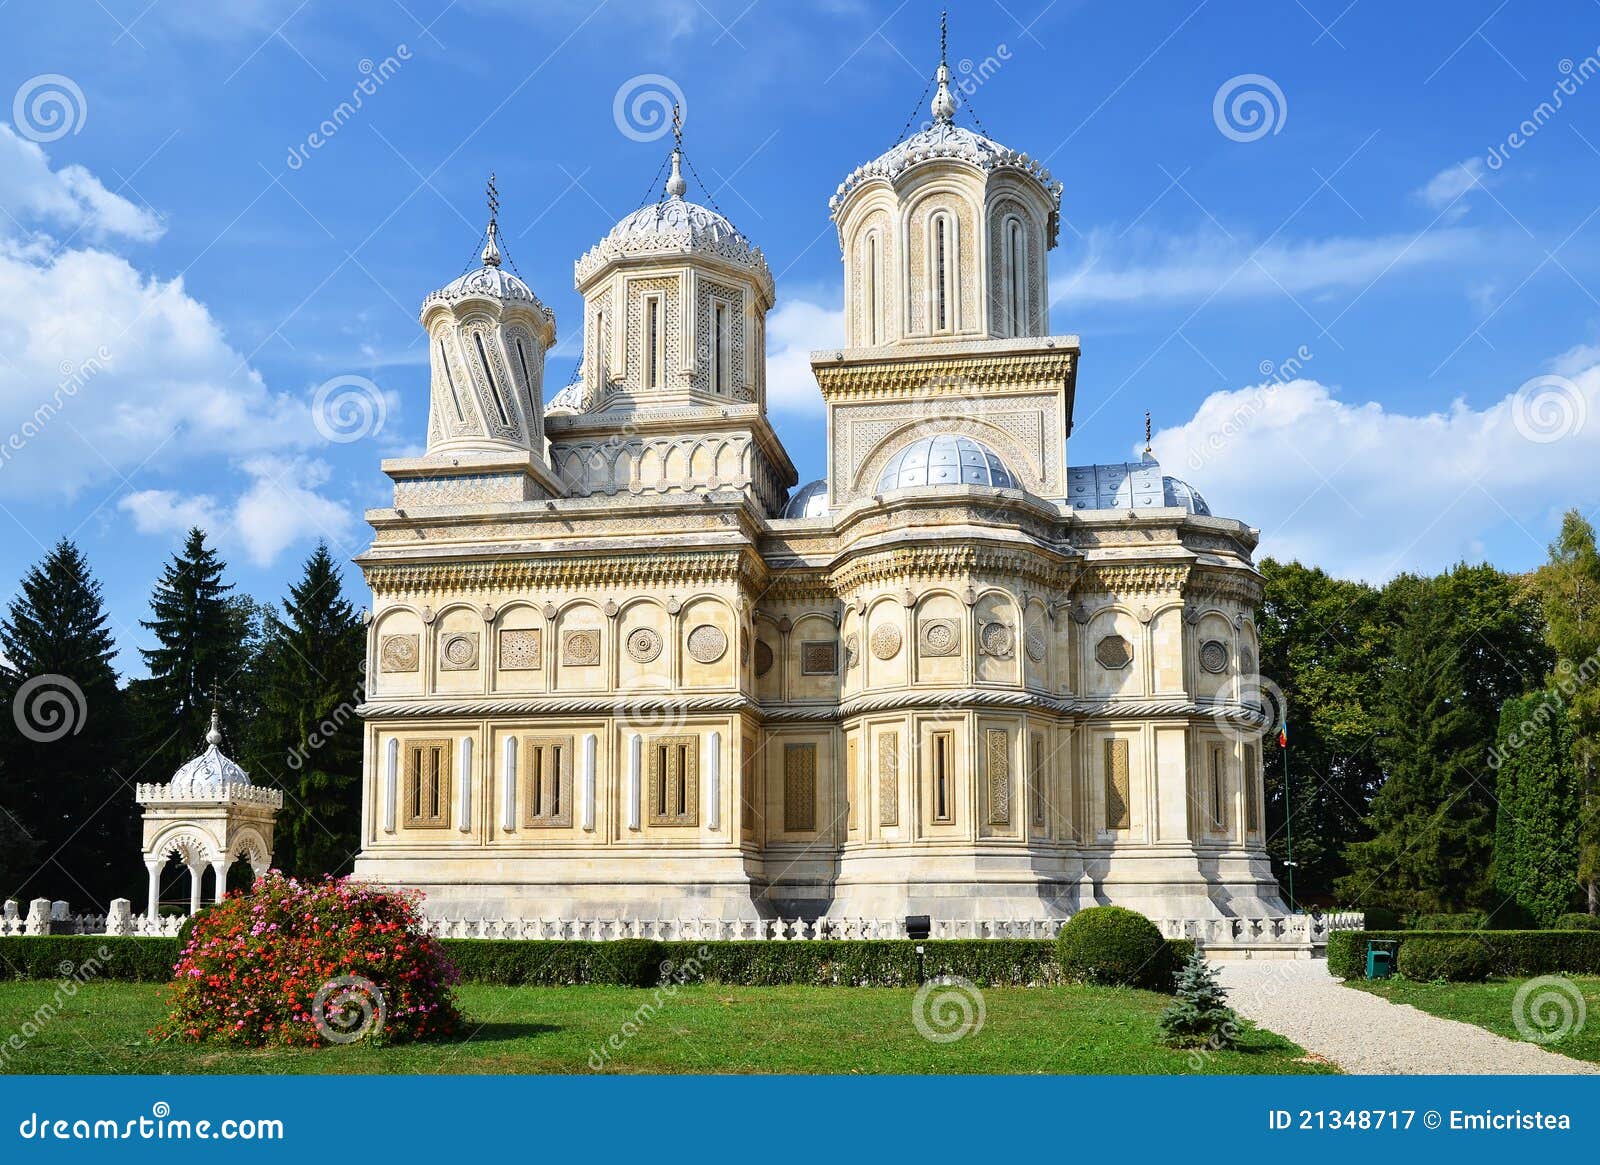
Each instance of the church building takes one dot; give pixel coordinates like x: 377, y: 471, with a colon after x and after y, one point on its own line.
x: 621, y: 667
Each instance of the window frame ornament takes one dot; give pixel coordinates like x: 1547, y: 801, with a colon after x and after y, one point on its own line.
x: 1114, y: 652
x: 674, y: 791
x: 416, y: 787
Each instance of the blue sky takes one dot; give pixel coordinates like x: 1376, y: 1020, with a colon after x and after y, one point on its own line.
x: 1354, y: 330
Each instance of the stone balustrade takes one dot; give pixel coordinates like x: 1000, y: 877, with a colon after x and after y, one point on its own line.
x: 1296, y: 934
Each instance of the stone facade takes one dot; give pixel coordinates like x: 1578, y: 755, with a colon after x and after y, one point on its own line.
x: 612, y: 675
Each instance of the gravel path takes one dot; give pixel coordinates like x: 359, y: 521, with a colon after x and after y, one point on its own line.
x: 1365, y: 1034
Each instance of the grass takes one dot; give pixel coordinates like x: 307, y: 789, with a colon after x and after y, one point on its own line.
x: 1491, y: 1005
x: 711, y: 1029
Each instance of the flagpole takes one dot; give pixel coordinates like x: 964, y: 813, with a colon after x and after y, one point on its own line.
x: 1288, y: 823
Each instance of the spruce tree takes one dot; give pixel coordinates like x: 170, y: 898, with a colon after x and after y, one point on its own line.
x: 62, y: 739
x: 307, y: 738
x: 203, y: 640
x: 1463, y: 643
x: 1199, y: 1015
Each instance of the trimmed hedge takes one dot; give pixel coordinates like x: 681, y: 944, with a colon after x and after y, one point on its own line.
x: 1447, y: 958
x: 1577, y: 922
x: 88, y: 956
x: 1468, y: 920
x: 628, y: 962
x: 1515, y: 953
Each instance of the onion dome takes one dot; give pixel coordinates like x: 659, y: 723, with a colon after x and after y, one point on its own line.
x: 944, y: 139
x: 492, y: 282
x: 210, y: 772
x: 945, y: 459
x: 809, y: 501
x: 671, y: 228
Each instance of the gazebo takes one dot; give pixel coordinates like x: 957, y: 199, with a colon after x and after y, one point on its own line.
x: 208, y: 814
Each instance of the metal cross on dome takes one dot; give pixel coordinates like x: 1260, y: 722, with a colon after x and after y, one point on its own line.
x: 494, y: 198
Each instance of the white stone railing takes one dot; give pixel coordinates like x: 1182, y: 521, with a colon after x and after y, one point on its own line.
x: 208, y: 791
x: 1296, y: 931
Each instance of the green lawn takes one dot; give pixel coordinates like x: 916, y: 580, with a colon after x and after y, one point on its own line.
x: 702, y: 1029
x: 1490, y: 1005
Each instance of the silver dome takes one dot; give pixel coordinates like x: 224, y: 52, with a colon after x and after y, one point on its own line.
x: 809, y: 501
x: 945, y: 459
x: 673, y: 227
x: 1131, y: 485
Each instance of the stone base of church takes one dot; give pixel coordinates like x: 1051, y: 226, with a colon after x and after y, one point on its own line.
x: 882, y: 886
x: 686, y: 885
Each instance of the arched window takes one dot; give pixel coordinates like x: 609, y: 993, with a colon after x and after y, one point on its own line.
x: 943, y: 264
x: 1016, y: 259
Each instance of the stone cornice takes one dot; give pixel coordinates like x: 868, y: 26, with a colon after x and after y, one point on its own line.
x: 1131, y: 578
x: 683, y: 568
x: 957, y: 372
x: 942, y: 560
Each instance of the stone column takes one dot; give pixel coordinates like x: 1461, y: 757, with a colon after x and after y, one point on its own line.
x: 220, y: 869
x: 197, y: 871
x: 153, y: 904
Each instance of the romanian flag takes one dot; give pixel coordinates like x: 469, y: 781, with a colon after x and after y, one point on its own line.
x: 1283, y: 732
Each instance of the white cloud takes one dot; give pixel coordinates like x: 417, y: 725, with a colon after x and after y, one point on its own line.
x: 69, y: 198
x: 1366, y: 493
x: 110, y: 373
x: 794, y: 329
x: 280, y: 508
x: 1445, y: 192
x: 1141, y: 268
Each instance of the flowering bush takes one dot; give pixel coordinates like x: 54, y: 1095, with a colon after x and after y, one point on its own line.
x: 310, y: 963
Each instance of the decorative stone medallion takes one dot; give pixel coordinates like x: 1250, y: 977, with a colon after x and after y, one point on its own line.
x: 819, y: 658
x: 852, y: 650
x: 398, y: 653
x: 1036, y: 644
x: 1247, y: 662
x: 458, y: 651
x: 1114, y: 652
x: 1214, y: 656
x: 580, y: 648
x: 707, y: 643
x: 886, y: 641
x: 519, y: 649
x: 763, y: 657
x: 939, y: 638
x: 643, y: 645
x: 997, y: 640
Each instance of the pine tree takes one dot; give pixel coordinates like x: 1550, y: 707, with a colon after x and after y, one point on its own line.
x: 203, y: 641
x: 1463, y: 644
x: 62, y: 738
x: 307, y: 738
x: 1568, y: 586
x: 1199, y: 1015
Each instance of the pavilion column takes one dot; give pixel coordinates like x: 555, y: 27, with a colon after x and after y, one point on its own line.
x: 197, y: 871
x: 153, y: 902
x: 220, y: 868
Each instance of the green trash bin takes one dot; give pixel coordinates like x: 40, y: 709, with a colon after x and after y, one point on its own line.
x: 1380, y: 958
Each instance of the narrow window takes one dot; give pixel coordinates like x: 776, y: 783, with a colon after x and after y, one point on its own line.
x: 1219, y: 772
x: 427, y: 785
x: 941, y: 744
x: 522, y: 359
x: 941, y: 230
x: 719, y: 348
x: 1017, y: 270
x: 799, y: 788
x: 652, y: 342
x: 748, y: 778
x: 1118, y: 814
x: 675, y: 781
x: 869, y: 297
x: 1036, y: 779
x: 494, y: 386
x: 1252, y: 791
x: 450, y: 379
x: 599, y: 377
x: 547, y: 781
